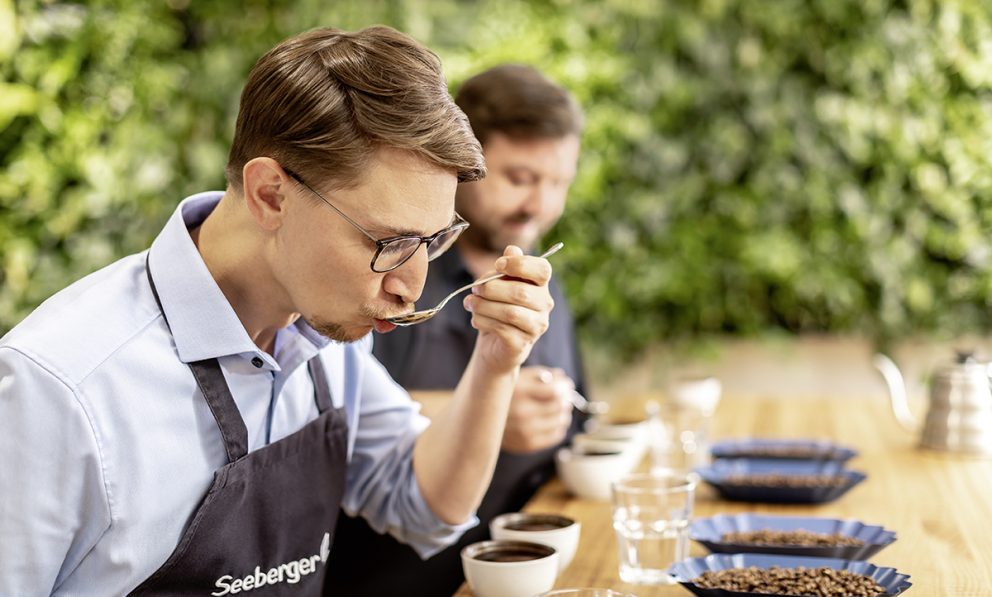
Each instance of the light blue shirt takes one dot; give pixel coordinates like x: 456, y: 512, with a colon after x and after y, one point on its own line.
x: 107, y: 445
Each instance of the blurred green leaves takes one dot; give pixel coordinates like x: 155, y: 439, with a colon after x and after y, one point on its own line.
x: 799, y: 165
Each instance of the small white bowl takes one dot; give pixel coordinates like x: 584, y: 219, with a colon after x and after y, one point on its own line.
x: 637, y: 430
x: 517, y: 578
x: 601, y: 441
x: 589, y: 475
x: 553, y: 530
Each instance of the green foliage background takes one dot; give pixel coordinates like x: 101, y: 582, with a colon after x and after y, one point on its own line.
x: 749, y: 166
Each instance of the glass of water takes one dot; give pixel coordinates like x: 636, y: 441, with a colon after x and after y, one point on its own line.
x: 651, y: 515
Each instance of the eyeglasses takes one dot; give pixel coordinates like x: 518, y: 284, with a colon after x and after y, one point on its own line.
x: 394, y: 251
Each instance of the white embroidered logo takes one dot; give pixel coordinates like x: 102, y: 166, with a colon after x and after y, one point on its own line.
x: 290, y: 572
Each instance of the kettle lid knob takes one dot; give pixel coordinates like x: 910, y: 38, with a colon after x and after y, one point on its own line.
x: 965, y: 357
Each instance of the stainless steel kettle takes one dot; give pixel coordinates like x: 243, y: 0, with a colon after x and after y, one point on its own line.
x: 959, y: 418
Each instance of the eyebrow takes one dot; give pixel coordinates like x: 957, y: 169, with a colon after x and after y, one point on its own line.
x: 534, y: 171
x: 390, y: 232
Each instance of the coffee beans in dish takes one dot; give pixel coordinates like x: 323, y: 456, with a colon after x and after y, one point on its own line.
x: 777, y: 480
x: 786, y: 451
x: 799, y: 538
x: 813, y: 582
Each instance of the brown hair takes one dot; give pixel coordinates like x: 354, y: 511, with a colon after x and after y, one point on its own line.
x: 520, y: 102
x: 322, y: 102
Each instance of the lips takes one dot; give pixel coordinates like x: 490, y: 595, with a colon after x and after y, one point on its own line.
x: 383, y: 326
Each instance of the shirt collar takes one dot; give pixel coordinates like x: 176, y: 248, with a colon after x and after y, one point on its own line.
x: 203, y: 323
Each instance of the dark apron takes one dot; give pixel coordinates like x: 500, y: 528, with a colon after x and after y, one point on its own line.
x: 266, y: 524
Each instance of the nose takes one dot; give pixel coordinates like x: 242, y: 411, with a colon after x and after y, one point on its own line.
x: 541, y: 194
x: 535, y: 199
x: 407, y: 281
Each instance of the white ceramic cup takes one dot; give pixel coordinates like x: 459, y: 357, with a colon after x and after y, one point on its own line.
x: 635, y: 430
x: 553, y: 530
x: 601, y: 441
x: 589, y: 475
x: 520, y: 577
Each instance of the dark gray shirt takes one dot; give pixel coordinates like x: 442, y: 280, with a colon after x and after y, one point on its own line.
x: 433, y: 356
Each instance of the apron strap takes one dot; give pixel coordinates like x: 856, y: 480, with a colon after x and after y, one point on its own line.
x: 322, y: 390
x: 215, y: 391
x: 210, y: 379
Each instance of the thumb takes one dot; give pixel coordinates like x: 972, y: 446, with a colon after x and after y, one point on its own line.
x: 512, y: 251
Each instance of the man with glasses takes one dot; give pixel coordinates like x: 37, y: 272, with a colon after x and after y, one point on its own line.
x: 529, y: 128
x: 190, y: 420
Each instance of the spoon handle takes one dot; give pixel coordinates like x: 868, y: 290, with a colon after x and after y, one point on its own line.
x: 551, y: 251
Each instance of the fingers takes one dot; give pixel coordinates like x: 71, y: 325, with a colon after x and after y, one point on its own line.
x: 530, y: 429
x: 515, y: 292
x: 521, y: 443
x: 517, y: 265
x: 507, y: 320
x: 540, y: 412
x: 542, y: 402
x: 511, y: 313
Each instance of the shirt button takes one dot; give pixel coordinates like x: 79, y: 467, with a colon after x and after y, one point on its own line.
x: 257, y: 362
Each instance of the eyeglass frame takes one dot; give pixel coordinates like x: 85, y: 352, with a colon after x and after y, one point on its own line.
x: 460, y: 225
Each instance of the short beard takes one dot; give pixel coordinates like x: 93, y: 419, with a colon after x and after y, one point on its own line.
x: 333, y: 331
x: 339, y: 333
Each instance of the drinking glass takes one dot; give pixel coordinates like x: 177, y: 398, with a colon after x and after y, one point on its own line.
x: 651, y: 515
x: 684, y: 422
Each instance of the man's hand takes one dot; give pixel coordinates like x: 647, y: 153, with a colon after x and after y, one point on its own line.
x: 540, y: 411
x: 511, y: 313
x: 455, y: 456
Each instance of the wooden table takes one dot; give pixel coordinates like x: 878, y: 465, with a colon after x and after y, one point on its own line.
x: 939, y: 505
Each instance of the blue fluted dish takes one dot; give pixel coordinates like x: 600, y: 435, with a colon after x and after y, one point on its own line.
x: 709, y: 532
x: 720, y: 474
x: 778, y: 449
x: 686, y: 571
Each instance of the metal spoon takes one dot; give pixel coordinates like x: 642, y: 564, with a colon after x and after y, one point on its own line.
x: 590, y: 407
x: 422, y: 316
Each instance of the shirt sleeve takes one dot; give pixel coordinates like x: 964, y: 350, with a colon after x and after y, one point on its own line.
x: 382, y: 486
x: 53, y: 503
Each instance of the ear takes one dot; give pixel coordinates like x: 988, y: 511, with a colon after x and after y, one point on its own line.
x: 266, y: 186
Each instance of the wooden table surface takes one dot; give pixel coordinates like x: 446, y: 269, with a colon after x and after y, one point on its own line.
x: 939, y: 505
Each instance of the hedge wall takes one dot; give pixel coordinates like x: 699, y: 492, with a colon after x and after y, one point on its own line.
x: 748, y: 166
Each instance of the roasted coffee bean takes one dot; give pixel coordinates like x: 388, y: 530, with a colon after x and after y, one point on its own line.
x: 812, y: 582
x: 775, y: 480
x: 800, y: 537
x: 810, y: 453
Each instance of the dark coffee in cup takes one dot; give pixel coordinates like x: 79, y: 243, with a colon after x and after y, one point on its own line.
x: 508, y: 555
x: 618, y: 420
x: 538, y: 522
x: 593, y: 452
x: 508, y: 551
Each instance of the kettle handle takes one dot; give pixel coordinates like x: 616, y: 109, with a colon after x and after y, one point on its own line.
x: 897, y: 391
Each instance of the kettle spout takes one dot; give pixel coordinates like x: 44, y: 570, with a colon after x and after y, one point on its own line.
x: 897, y: 391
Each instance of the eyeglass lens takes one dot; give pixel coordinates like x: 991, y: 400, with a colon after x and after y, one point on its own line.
x: 397, y: 251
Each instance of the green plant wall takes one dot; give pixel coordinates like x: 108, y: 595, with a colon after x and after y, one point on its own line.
x: 748, y: 166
